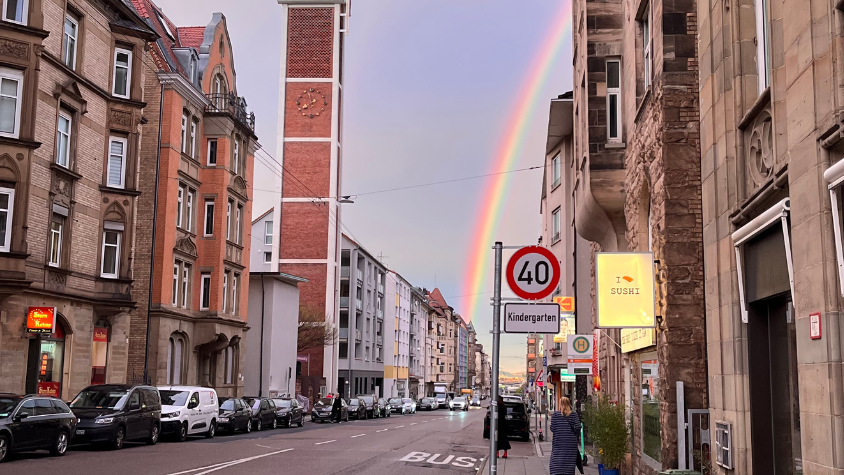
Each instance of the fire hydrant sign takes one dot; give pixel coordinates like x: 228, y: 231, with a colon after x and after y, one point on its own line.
x: 533, y: 273
x: 542, y: 318
x: 580, y: 354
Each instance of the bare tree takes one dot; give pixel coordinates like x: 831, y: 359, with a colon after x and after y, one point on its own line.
x: 314, y: 332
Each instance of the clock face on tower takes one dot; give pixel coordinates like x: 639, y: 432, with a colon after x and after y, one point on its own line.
x: 311, y: 103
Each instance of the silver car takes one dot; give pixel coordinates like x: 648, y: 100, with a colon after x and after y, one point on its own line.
x: 459, y: 403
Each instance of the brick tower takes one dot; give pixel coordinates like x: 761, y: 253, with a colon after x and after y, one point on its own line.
x: 309, y: 149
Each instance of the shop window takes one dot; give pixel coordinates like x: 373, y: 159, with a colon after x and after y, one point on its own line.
x: 99, y: 352
x: 45, y: 362
x: 175, y: 357
x: 651, y: 429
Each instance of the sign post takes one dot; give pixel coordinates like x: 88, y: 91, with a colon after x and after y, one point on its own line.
x: 496, y: 339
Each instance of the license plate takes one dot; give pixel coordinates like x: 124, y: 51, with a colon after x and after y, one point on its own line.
x: 80, y: 432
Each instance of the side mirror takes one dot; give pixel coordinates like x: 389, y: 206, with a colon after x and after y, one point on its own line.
x: 21, y: 416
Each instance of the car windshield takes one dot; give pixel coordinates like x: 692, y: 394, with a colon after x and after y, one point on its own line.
x: 252, y: 402
x: 100, y: 399
x: 367, y: 399
x: 395, y: 401
x: 282, y: 403
x: 7, y: 405
x: 227, y: 405
x: 514, y: 408
x: 174, y: 398
x: 459, y: 399
x: 407, y: 400
x: 427, y: 400
x: 354, y: 402
x: 326, y: 401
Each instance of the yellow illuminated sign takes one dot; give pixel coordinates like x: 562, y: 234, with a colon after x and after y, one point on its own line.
x: 624, y: 287
x: 633, y: 339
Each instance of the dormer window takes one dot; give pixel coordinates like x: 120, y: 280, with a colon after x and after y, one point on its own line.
x: 164, y: 25
x: 192, y: 71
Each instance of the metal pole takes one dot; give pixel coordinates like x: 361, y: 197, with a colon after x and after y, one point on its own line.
x: 496, y: 340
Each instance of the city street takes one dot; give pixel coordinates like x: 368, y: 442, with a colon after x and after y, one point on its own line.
x: 411, y: 444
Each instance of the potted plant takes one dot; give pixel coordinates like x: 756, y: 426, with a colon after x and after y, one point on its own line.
x: 607, y: 422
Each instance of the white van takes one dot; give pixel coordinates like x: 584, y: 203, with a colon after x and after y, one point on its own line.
x: 188, y: 410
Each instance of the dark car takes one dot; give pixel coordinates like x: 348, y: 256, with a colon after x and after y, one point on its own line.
x: 322, y: 410
x: 396, y: 405
x: 289, y: 412
x: 517, y: 421
x: 114, y: 413
x: 357, y: 408
x: 384, y: 408
x: 235, y: 414
x: 428, y: 404
x: 263, y: 412
x: 34, y: 423
x: 371, y: 405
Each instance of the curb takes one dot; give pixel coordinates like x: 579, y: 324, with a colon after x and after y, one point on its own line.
x: 483, y: 465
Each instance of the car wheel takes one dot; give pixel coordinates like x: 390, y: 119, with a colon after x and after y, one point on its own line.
x: 212, y: 429
x: 59, y: 445
x: 183, y: 432
x: 153, y: 436
x: 4, y: 447
x: 275, y: 422
x: 258, y: 425
x: 302, y: 421
x: 248, y: 426
x: 119, y: 437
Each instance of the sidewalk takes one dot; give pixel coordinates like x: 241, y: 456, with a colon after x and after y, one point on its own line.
x: 523, y: 462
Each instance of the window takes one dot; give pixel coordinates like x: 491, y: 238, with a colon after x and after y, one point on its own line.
x: 111, y: 253
x: 184, y: 133
x: 15, y: 11
x: 229, y: 219
x: 192, y: 70
x: 63, y: 140
x: 10, y: 101
x: 209, y: 218
x: 225, y: 291
x: 555, y: 219
x: 236, y: 160
x: 117, y: 163
x: 71, y: 32
x: 193, y: 125
x: 237, y: 223
x: 555, y: 171
x: 645, y: 21
x: 268, y: 257
x: 185, y: 285
x: 56, y: 226
x: 614, y: 101
x: 268, y: 232
x: 205, y: 297
x: 122, y: 72
x: 212, y: 152
x: 7, y: 204
x: 176, y: 274
x: 180, y: 198
x: 235, y: 296
x: 651, y: 430
x: 763, y: 53
x: 189, y: 210
x: 175, y: 352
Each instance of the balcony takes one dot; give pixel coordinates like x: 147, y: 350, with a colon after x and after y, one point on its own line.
x: 412, y: 330
x: 359, y: 305
x: 345, y: 272
x: 359, y: 276
x: 380, y: 314
x: 358, y: 336
x: 379, y: 341
x: 344, y: 302
x: 381, y: 289
x: 344, y: 333
x: 232, y: 105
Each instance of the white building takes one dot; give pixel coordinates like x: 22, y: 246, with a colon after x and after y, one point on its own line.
x: 397, y: 328
x: 264, y: 244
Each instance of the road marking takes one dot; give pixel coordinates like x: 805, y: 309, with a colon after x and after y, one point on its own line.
x: 264, y: 446
x: 424, y: 457
x: 382, y: 430
x: 424, y: 422
x: 399, y: 427
x: 359, y: 435
x: 413, y: 423
x: 220, y: 466
x: 326, y: 442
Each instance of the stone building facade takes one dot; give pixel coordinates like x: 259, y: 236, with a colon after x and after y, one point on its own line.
x: 636, y: 149
x: 72, y: 87
x: 772, y: 104
x: 443, y: 329
x: 195, y: 210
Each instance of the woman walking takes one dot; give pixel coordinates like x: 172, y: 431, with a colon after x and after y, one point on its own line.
x: 503, y: 442
x: 565, y: 426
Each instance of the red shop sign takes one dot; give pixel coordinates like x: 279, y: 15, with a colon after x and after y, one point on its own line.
x: 41, y: 319
x: 101, y: 335
x: 49, y: 389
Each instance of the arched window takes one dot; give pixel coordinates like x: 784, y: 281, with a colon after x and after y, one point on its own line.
x: 175, y: 353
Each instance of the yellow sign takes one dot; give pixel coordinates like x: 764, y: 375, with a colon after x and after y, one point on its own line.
x: 566, y: 328
x: 633, y: 339
x: 624, y: 286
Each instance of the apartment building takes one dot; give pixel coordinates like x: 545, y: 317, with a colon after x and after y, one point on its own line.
x: 428, y: 339
x: 362, y: 322
x: 72, y: 93
x: 444, y: 328
x: 397, y: 329
x: 532, y: 369
x: 471, y: 368
x: 195, y: 208
x: 462, y: 345
x: 419, y: 365
x: 771, y: 107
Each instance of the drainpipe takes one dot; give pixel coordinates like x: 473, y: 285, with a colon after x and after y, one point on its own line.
x: 154, y: 221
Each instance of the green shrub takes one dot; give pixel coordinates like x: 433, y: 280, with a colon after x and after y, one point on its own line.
x: 608, y: 425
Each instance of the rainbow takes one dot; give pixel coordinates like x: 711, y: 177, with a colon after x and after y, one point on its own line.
x: 509, y: 150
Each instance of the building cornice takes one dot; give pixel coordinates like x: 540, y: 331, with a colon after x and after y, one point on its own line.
x: 185, y: 89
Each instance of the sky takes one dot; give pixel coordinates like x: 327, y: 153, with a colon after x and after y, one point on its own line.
x: 429, y: 89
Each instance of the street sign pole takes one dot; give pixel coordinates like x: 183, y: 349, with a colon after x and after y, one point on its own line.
x: 496, y: 339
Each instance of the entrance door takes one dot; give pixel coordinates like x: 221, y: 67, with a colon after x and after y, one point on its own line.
x: 774, y: 396
x: 45, y: 364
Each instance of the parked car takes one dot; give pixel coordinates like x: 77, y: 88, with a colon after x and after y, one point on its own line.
x: 115, y: 413
x: 396, y: 405
x: 409, y: 405
x: 187, y: 410
x: 34, y: 423
x: 371, y: 401
x: 322, y: 410
x: 263, y: 412
x: 518, y: 423
x: 357, y: 408
x: 384, y: 408
x: 476, y: 401
x: 235, y: 414
x: 288, y: 412
x: 428, y: 404
x: 442, y: 400
x: 458, y: 403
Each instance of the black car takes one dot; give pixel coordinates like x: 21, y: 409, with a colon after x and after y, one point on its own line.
x: 34, y: 423
x: 384, y: 408
x: 428, y: 404
x: 322, y: 410
x: 371, y: 403
x: 517, y: 420
x: 357, y: 408
x: 114, y: 413
x: 289, y: 412
x: 235, y: 414
x: 396, y: 405
x: 263, y: 412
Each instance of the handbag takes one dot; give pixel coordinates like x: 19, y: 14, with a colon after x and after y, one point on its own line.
x: 579, y: 460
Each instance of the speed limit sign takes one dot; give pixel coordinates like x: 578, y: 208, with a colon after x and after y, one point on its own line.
x: 533, y: 273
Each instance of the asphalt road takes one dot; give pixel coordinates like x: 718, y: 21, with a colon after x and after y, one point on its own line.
x: 422, y: 443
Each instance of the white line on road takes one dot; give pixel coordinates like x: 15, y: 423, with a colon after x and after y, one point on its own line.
x: 355, y: 436
x: 382, y: 430
x: 220, y: 466
x: 399, y: 427
x: 326, y: 442
x: 413, y: 423
x: 264, y: 446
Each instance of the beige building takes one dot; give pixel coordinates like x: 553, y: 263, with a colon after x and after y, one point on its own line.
x: 71, y: 95
x: 444, y: 328
x: 771, y: 101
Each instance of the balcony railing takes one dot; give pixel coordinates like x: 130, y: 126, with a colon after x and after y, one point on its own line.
x: 379, y: 341
x: 344, y: 302
x: 359, y: 275
x: 358, y: 336
x: 344, y: 272
x: 344, y: 333
x: 359, y: 305
x: 229, y: 103
x: 380, y: 314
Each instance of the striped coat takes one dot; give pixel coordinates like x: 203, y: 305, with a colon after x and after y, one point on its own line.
x: 564, y: 449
